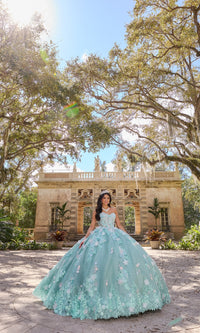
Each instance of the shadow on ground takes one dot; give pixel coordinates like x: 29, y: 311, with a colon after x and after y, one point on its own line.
x: 21, y: 271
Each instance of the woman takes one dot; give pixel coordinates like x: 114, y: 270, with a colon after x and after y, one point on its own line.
x: 107, y: 274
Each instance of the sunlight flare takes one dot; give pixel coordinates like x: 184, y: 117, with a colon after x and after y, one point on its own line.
x: 22, y: 11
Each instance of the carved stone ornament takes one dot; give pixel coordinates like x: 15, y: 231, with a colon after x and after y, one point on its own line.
x: 85, y: 194
x: 131, y: 194
x: 111, y: 191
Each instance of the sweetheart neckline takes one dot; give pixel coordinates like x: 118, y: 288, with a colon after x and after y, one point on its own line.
x: 108, y: 214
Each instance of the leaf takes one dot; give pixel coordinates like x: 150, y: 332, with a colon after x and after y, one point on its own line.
x: 175, y: 321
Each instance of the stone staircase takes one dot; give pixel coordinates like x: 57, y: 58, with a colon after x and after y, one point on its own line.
x: 77, y: 237
x: 138, y: 238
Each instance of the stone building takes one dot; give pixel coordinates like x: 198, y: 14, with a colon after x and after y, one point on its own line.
x: 128, y: 189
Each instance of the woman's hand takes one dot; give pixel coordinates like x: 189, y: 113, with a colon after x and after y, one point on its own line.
x: 83, y: 241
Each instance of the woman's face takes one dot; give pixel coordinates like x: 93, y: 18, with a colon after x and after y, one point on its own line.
x: 105, y: 200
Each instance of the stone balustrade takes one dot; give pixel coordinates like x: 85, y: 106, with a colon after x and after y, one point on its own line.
x: 124, y: 175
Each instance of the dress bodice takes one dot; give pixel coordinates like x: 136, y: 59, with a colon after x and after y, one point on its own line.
x: 107, y: 220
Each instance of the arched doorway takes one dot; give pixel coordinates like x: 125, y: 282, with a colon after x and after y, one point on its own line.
x: 84, y: 216
x: 87, y: 217
x: 129, y: 221
x: 132, y: 217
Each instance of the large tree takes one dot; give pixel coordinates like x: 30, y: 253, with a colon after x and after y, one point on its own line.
x: 35, y: 125
x: 150, y: 90
x: 191, y: 201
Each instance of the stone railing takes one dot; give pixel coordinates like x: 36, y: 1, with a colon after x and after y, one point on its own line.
x: 87, y: 176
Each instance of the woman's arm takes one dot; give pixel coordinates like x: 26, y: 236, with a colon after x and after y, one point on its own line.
x: 90, y: 229
x: 119, y: 226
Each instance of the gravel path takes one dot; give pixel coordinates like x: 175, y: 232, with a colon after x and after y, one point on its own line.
x: 21, y: 271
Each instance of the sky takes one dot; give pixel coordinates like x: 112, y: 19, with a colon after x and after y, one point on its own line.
x: 78, y: 28
x: 89, y: 26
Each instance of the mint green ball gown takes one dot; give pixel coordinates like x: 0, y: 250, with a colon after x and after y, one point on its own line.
x: 110, y: 276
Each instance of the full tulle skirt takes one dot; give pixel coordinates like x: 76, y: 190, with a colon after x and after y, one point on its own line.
x: 110, y: 276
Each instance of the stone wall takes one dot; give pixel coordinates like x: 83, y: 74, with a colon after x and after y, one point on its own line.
x: 127, y: 189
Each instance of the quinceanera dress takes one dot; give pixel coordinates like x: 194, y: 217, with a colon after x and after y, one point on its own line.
x: 108, y: 277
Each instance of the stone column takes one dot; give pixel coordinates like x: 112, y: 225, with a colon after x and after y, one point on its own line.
x: 120, y: 203
x: 143, y: 213
x: 73, y: 214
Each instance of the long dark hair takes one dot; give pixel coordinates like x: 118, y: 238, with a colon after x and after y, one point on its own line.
x: 99, y: 205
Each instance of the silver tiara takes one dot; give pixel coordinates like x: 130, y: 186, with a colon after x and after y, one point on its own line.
x: 105, y: 191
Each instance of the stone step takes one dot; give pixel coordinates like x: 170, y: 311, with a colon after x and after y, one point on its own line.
x: 78, y: 236
x: 138, y: 238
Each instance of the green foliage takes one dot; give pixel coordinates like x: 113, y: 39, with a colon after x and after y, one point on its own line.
x: 15, y: 238
x: 23, y: 208
x: 155, y: 210
x: 3, y: 215
x: 28, y: 245
x: 129, y: 219
x: 169, y: 245
x: 191, y: 189
x: 10, y: 233
x: 146, y: 90
x: 191, y: 241
x: 6, y: 227
x: 62, y: 211
x: 14, y: 245
x: 20, y: 235
x: 33, y: 245
x: 26, y: 208
x: 52, y: 246
x: 191, y: 201
x: 87, y: 218
x: 191, y: 215
x: 194, y: 233
x: 3, y: 246
x: 35, y: 128
x: 186, y: 244
x: 121, y: 163
x: 6, y: 231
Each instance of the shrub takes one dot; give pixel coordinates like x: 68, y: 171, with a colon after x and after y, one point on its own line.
x: 52, y: 246
x: 169, y: 245
x: 20, y: 235
x: 194, y: 233
x: 154, y: 235
x: 191, y: 241
x: 13, y: 245
x: 6, y: 231
x: 33, y: 245
x: 3, y: 246
x: 58, y: 235
x: 28, y: 245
